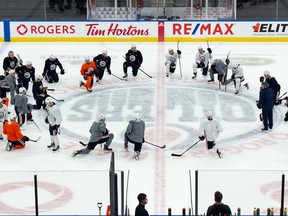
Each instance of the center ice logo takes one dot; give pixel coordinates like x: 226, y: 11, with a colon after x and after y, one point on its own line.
x: 185, y: 106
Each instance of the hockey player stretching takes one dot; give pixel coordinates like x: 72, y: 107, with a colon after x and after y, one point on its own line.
x: 99, y: 134
x: 210, y: 128
x: 201, y: 61
x: 135, y: 134
x: 49, y: 72
x: 171, y: 61
x: 102, y: 61
x: 134, y: 59
x: 87, y: 71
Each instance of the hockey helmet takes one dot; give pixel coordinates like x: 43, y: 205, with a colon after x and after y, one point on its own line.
x: 28, y: 63
x: 236, y: 66
x: 22, y: 90
x: 86, y: 58
x: 11, y: 72
x: 11, y: 53
x: 133, y: 46
x: 12, y: 116
x: 209, y: 114
x: 266, y: 73
x: 48, y: 100
x: 52, y: 56
x: 104, y: 52
x: 138, y: 116
x: 39, y: 77
x: 101, y: 117
x: 200, y: 48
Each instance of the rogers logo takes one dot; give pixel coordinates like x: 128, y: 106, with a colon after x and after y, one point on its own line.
x: 46, y: 29
x: 22, y: 29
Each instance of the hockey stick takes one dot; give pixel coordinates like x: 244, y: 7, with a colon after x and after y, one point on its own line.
x: 179, y: 155
x: 36, y: 125
x: 60, y: 100
x: 207, y: 43
x: 162, y: 147
x: 50, y: 89
x: 32, y: 140
x: 82, y: 143
x: 139, y: 68
x: 225, y: 74
x: 179, y: 59
x: 112, y: 74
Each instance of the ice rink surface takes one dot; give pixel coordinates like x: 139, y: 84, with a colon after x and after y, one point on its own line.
x: 248, y: 175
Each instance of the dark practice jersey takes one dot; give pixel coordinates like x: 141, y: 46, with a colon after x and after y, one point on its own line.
x: 50, y: 66
x: 10, y: 63
x: 134, y: 57
x: 26, y: 73
x: 102, y: 61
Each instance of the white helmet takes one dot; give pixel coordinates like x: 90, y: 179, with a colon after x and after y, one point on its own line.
x: 170, y: 50
x: 101, y: 117
x: 12, y: 116
x: 133, y: 46
x: 22, y: 90
x: 266, y: 73
x: 48, y: 100
x: 209, y: 114
x: 86, y: 58
x: 104, y: 52
x: 11, y: 71
x: 200, y: 48
x: 39, y: 77
x: 236, y: 66
x: 52, y: 56
x: 28, y: 63
x: 138, y: 116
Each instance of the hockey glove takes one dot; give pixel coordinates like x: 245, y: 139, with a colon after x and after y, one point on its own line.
x: 109, y: 71
x: 261, y: 79
x: 172, y: 65
x: 179, y: 52
x: 46, y: 120
x: 209, y: 50
x: 55, y: 127
x: 227, y: 61
x: 25, y: 139
x: 201, y: 137
x: 233, y: 76
x: 62, y: 72
x: 202, y: 64
x: 259, y: 105
x: 105, y: 133
x: 143, y: 140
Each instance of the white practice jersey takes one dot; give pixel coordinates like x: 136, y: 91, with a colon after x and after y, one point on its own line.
x: 54, y: 115
x: 3, y: 113
x: 238, y: 72
x: 210, y: 129
x: 172, y: 58
x: 204, y: 57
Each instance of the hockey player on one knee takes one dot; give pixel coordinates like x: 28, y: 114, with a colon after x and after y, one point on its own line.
x: 209, y: 129
x: 87, y: 71
x: 220, y: 68
x: 99, y: 134
x: 25, y: 74
x: 54, y: 119
x: 237, y: 77
x: 135, y: 134
x: 102, y: 61
x: 134, y: 59
x: 171, y: 61
x: 22, y: 107
x: 3, y: 116
x: 15, y: 139
x: 49, y: 72
x: 202, y: 61
x: 39, y: 93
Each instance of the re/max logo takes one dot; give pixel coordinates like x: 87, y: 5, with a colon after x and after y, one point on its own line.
x: 203, y: 29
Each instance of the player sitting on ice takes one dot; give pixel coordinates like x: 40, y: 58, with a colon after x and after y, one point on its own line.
x: 49, y: 72
x: 22, y: 107
x: 171, y: 61
x: 133, y: 59
x: 15, y: 138
x: 99, y: 134
x: 220, y: 68
x: 87, y: 71
x: 102, y: 61
x: 273, y: 84
x: 10, y: 63
x: 237, y: 77
x: 202, y: 61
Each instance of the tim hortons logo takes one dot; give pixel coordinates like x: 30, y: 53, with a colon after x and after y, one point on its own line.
x: 115, y: 30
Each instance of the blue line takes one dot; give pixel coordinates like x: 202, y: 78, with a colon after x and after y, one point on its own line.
x: 6, y: 25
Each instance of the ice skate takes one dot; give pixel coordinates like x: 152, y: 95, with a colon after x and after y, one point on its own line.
x: 55, y: 149
x: 194, y: 75
x: 125, y: 75
x: 106, y: 148
x: 76, y: 153
x: 52, y: 145
x: 219, y: 153
x: 136, y: 155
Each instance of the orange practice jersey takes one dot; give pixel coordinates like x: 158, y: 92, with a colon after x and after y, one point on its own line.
x: 12, y: 130
x: 86, y: 66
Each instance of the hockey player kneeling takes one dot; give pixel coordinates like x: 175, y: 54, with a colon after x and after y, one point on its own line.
x: 16, y: 140
x: 99, y: 134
